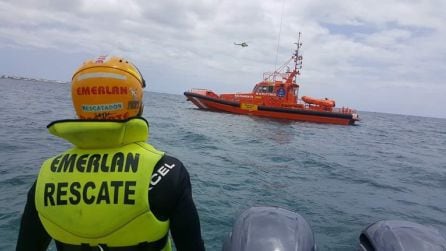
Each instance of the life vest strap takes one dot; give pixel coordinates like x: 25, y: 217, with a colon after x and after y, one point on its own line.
x: 143, y: 246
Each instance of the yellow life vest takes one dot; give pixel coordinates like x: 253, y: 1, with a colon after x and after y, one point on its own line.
x: 97, y: 192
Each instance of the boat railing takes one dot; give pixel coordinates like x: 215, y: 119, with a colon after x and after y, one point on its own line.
x: 343, y: 109
x: 272, y: 76
x: 198, y: 89
x: 205, y: 92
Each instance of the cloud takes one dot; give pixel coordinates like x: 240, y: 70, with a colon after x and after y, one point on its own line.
x: 360, y: 45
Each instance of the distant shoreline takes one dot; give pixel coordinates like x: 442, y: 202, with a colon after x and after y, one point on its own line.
x: 33, y: 79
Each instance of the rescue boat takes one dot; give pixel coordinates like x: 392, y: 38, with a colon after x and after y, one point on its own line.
x: 276, y: 96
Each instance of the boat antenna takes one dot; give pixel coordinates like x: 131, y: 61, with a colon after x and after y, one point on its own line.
x: 297, y: 57
x: 278, y: 40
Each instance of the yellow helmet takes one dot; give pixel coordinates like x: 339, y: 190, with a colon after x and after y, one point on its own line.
x: 107, y: 88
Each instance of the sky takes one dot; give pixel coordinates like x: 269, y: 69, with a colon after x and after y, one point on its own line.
x: 371, y: 55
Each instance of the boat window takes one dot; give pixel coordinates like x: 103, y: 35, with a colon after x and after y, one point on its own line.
x: 265, y: 89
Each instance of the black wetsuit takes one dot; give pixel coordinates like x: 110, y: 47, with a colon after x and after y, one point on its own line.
x: 170, y: 198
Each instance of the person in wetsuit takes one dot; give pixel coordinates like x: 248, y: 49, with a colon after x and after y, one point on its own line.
x: 112, y: 190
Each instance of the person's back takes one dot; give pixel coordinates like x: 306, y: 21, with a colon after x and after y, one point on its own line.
x: 112, y: 190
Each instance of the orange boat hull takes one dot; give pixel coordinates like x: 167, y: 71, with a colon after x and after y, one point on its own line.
x: 214, y: 103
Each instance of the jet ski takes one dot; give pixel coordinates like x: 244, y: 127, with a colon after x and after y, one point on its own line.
x: 278, y: 229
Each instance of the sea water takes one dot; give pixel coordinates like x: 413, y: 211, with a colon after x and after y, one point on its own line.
x: 339, y: 178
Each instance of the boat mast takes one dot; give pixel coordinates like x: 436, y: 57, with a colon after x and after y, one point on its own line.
x: 297, y: 59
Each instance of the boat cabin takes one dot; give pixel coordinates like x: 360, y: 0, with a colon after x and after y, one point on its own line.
x: 276, y: 92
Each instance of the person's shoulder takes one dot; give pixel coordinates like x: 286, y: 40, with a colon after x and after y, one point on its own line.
x: 169, y: 174
x: 171, y: 159
x: 170, y: 162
